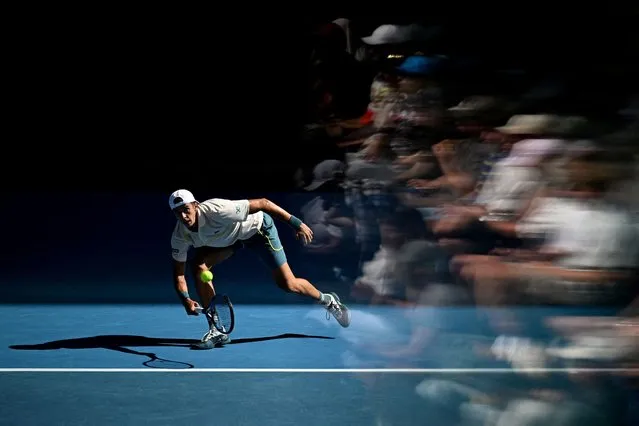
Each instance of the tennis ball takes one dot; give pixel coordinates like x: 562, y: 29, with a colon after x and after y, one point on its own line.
x: 206, y: 276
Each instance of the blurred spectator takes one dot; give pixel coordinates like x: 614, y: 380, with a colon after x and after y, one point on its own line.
x: 492, y: 180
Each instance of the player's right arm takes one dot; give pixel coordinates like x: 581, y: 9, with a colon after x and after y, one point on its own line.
x: 179, y: 250
x: 182, y: 288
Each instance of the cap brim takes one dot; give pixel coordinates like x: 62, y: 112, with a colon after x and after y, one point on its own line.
x: 374, y: 41
x: 315, y: 184
x: 462, y: 109
x: 182, y: 203
x: 513, y: 130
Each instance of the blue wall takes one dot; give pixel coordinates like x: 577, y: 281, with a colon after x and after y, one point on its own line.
x: 115, y: 248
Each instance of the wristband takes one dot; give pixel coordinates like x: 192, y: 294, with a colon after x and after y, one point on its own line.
x: 295, y: 222
x: 185, y: 295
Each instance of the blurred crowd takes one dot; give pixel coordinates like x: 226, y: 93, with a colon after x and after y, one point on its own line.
x: 430, y: 192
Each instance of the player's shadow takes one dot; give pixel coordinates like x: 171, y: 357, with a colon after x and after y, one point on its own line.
x: 124, y: 343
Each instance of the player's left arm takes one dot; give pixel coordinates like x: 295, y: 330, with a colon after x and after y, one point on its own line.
x: 267, y: 206
x: 277, y: 212
x: 239, y: 210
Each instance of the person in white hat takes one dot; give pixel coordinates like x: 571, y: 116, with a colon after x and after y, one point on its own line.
x: 216, y: 228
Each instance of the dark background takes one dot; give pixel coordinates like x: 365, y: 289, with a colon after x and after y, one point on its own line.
x: 110, y: 114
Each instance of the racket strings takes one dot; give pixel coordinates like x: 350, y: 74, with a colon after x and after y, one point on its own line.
x: 223, y: 317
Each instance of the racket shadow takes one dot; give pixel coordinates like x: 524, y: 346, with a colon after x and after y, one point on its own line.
x: 119, y: 343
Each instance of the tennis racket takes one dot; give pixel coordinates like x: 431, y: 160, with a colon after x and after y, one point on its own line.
x: 220, y: 314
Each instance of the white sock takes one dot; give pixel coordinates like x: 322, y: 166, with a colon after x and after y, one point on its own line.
x: 325, y: 299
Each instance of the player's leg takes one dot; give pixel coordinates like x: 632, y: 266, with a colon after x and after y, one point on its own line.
x: 205, y: 258
x: 270, y: 249
x: 287, y: 281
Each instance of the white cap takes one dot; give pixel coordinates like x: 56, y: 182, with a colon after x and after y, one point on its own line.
x: 180, y: 198
x: 531, y: 124
x: 388, y: 34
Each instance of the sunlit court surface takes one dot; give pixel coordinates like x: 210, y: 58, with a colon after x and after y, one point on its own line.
x: 287, y: 364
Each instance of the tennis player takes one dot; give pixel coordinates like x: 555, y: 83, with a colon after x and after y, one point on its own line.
x: 216, y: 228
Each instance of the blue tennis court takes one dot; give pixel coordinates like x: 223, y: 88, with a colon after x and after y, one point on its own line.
x: 112, y: 358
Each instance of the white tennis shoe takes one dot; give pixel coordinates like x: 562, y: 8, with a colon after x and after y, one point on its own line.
x: 339, y: 311
x: 212, y: 338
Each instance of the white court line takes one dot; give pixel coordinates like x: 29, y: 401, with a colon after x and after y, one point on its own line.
x: 325, y: 370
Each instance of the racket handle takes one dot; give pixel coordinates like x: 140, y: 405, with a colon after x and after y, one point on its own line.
x: 201, y: 310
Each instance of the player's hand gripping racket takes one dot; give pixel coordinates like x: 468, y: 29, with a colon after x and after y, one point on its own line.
x: 220, y: 314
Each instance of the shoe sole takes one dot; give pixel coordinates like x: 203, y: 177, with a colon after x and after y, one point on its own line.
x: 345, y: 310
x: 202, y: 346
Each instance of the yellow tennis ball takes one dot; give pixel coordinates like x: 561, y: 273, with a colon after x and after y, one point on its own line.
x: 206, y: 276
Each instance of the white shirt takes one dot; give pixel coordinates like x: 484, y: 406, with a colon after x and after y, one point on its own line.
x: 221, y: 223
x: 596, y: 235
x: 314, y: 215
x: 545, y: 218
x: 380, y: 272
x: 509, y: 188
